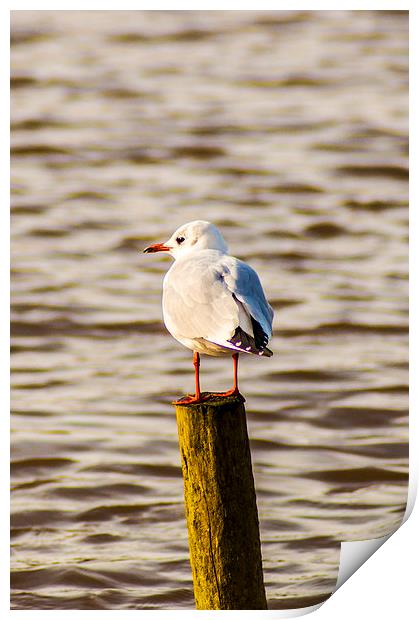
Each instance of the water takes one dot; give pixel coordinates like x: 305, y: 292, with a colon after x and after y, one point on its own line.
x: 289, y: 131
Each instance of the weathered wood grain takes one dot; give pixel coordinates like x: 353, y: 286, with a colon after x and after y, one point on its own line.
x: 220, y: 505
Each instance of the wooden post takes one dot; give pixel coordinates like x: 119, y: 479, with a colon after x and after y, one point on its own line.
x: 220, y: 505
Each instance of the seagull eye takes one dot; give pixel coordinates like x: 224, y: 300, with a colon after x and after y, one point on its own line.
x: 180, y: 240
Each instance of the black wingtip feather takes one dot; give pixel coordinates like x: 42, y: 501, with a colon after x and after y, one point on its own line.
x: 261, y: 339
x: 267, y: 352
x: 249, y: 344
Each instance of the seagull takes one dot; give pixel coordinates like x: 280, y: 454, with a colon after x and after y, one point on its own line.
x: 213, y: 303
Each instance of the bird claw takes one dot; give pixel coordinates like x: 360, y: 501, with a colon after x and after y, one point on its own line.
x: 233, y: 392
x: 191, y: 399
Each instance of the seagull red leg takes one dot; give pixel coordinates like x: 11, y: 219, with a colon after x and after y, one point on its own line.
x: 235, y: 389
x: 197, y: 398
x: 196, y: 363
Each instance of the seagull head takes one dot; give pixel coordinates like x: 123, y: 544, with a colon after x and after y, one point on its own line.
x: 191, y: 237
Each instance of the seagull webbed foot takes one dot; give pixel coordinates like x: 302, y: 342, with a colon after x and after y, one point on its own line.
x: 191, y: 399
x: 233, y: 392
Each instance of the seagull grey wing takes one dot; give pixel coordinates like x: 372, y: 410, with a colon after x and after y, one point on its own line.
x: 243, y: 281
x: 197, y: 303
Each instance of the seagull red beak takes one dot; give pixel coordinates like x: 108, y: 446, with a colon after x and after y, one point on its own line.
x: 157, y: 247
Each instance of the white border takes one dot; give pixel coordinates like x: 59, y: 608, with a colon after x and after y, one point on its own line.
x: 386, y: 585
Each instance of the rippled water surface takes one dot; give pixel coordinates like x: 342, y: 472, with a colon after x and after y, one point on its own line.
x: 289, y: 131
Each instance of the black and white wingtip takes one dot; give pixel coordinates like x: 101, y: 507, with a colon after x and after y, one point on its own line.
x: 242, y: 341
